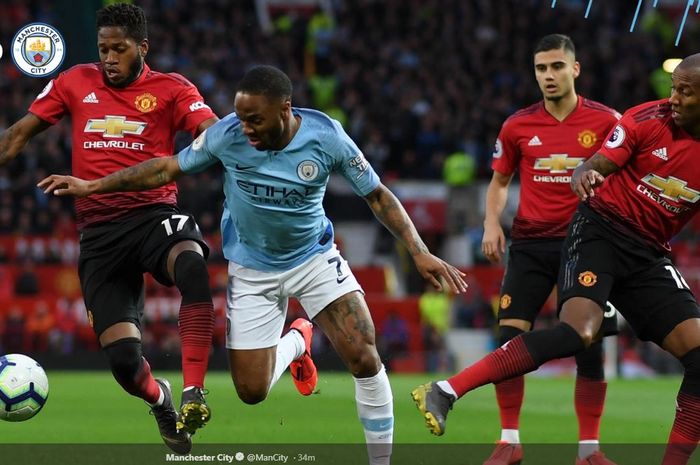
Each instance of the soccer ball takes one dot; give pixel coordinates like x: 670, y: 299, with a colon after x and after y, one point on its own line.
x: 24, y: 387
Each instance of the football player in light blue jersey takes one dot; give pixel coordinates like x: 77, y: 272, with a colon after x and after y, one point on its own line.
x: 279, y: 243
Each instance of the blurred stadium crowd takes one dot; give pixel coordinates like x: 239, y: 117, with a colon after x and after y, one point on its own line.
x: 412, y: 81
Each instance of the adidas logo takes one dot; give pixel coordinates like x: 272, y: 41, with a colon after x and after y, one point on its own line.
x: 534, y: 141
x: 661, y: 153
x: 91, y: 98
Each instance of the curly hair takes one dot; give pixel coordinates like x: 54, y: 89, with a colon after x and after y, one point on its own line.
x: 130, y: 17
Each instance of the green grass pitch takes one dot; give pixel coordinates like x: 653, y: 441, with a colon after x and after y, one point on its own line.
x: 90, y: 408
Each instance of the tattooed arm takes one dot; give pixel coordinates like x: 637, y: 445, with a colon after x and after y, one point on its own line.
x: 16, y: 136
x: 146, y: 175
x: 591, y: 174
x: 389, y: 211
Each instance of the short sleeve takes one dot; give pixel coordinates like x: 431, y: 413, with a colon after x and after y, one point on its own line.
x: 351, y: 163
x: 506, y: 153
x: 190, y: 109
x: 206, y: 149
x: 622, y: 141
x: 51, y: 104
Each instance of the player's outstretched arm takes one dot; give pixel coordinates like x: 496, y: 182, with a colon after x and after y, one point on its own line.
x: 591, y: 174
x: 393, y: 216
x: 14, y: 138
x: 146, y: 175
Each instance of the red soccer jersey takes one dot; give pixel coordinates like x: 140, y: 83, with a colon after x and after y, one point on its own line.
x: 546, y: 151
x: 656, y: 190
x: 116, y: 128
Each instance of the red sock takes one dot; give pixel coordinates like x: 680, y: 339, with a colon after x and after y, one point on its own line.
x: 589, y: 400
x: 509, y: 360
x: 145, y: 385
x: 685, y: 433
x: 510, y: 394
x: 196, y: 332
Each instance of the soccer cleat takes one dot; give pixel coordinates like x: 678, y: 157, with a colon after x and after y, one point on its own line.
x: 166, y: 416
x: 194, y: 411
x: 505, y: 454
x: 434, y: 404
x: 303, y: 369
x: 596, y: 458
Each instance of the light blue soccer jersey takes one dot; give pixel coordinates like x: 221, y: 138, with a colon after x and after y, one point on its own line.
x: 273, y: 215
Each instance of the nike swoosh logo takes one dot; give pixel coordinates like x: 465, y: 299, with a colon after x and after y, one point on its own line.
x: 243, y: 168
x: 341, y: 280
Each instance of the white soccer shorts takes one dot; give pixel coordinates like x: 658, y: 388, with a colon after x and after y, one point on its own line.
x: 256, y: 301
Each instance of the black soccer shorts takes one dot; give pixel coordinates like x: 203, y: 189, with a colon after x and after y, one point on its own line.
x: 114, y: 256
x: 602, y: 263
x: 531, y: 274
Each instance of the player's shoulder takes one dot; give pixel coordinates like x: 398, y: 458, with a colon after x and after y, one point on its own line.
x: 592, y: 105
x: 317, y: 119
x: 320, y: 128
x: 226, y: 125
x: 523, y: 115
x: 82, y: 72
x: 170, y: 79
x: 653, y: 112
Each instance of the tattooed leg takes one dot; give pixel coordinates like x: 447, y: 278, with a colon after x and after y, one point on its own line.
x: 348, y: 325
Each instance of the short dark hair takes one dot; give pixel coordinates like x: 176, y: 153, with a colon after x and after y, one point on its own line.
x: 130, y: 17
x: 555, y: 42
x: 267, y: 81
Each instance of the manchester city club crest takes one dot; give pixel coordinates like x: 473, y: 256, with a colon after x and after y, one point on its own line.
x: 38, y: 49
x: 307, y: 170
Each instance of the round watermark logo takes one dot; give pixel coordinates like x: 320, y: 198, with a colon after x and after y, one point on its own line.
x: 38, y: 49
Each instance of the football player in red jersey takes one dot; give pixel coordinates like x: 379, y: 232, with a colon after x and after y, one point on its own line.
x: 123, y: 113
x: 638, y: 191
x: 545, y: 142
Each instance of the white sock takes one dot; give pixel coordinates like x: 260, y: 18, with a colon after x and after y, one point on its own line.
x: 511, y: 436
x: 587, y: 447
x: 447, y: 387
x: 289, y: 348
x: 161, y: 398
x: 375, y: 407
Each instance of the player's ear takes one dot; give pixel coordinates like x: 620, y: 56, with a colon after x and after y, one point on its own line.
x: 286, y: 107
x: 577, y: 69
x: 143, y: 48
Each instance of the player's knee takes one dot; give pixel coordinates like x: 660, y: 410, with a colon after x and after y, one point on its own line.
x: 589, y: 363
x: 691, y: 377
x: 125, y: 360
x: 192, y: 277
x: 506, y: 333
x: 250, y: 389
x: 251, y: 395
x: 364, y: 361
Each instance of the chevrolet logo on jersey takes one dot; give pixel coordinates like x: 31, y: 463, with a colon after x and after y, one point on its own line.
x: 672, y: 188
x: 558, y: 163
x: 114, y: 126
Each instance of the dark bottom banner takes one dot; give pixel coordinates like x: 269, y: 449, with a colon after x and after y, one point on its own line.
x: 325, y: 454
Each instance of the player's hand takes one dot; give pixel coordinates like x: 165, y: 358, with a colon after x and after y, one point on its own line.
x: 65, y: 185
x: 583, y: 183
x: 432, y: 268
x: 493, y: 244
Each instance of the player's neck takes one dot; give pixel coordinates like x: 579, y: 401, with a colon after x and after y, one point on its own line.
x: 289, y: 131
x: 563, y: 107
x: 292, y: 128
